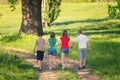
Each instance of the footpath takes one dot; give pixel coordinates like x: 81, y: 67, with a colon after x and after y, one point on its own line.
x: 47, y: 74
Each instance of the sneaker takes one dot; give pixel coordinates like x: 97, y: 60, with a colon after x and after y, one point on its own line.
x: 39, y: 69
x: 50, y: 68
x: 80, y: 68
x: 84, y: 67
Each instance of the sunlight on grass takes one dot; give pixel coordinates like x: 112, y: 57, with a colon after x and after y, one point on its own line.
x: 66, y: 74
x: 13, y: 68
x: 92, y: 18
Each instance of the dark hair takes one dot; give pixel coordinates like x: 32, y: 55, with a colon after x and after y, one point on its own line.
x: 52, y: 35
x: 65, y: 33
x: 40, y: 34
x: 80, y: 31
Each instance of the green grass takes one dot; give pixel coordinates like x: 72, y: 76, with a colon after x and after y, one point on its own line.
x: 92, y: 18
x: 13, y: 68
x: 66, y: 74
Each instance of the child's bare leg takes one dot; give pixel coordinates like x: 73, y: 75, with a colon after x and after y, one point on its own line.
x: 40, y: 64
x: 63, y: 60
x: 66, y: 60
x: 54, y: 60
x: 50, y: 62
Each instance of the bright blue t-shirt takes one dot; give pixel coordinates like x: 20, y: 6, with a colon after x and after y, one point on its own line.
x: 52, y: 43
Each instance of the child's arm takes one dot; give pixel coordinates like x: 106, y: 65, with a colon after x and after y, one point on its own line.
x: 88, y: 45
x: 72, y: 44
x: 60, y: 43
x: 45, y: 45
x: 34, y: 50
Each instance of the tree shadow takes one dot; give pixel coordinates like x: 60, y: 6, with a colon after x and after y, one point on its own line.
x: 103, y: 32
x: 73, y: 32
x: 79, y: 21
x: 101, y: 27
x: 0, y: 15
x: 11, y: 38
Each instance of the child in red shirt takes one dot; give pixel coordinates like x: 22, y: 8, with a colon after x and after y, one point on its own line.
x: 64, y: 44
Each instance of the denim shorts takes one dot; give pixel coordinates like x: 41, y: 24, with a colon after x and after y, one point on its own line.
x: 52, y: 52
x: 63, y: 50
x: 82, y: 54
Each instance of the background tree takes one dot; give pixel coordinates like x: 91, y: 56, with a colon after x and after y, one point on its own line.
x: 31, y: 16
x: 51, y: 11
x: 114, y: 10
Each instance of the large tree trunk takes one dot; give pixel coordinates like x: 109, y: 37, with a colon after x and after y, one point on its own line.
x: 31, y: 17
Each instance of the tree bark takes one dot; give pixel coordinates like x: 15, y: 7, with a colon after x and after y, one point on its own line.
x: 31, y: 17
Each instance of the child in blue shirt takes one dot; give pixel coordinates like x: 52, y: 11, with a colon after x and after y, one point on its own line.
x: 52, y: 50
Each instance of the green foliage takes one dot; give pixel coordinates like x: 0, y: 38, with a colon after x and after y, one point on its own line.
x: 12, y: 4
x: 10, y: 38
x: 114, y: 11
x: 13, y: 68
x: 53, y: 9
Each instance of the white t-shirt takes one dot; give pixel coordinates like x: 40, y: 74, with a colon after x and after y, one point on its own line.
x: 82, y: 41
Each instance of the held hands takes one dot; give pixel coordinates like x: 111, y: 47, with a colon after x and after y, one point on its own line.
x: 34, y: 53
x: 70, y: 47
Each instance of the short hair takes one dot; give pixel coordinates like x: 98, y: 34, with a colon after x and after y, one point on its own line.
x: 80, y: 31
x: 40, y: 34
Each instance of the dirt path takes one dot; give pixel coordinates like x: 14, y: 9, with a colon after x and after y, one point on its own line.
x: 46, y: 74
x: 82, y: 74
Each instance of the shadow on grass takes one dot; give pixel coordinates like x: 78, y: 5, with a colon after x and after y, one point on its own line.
x: 105, y: 59
x: 0, y: 15
x: 73, y: 32
x: 103, y: 32
x: 79, y: 21
x: 11, y: 38
x: 107, y: 27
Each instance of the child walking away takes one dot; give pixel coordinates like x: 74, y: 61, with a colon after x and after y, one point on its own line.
x: 83, y: 42
x: 39, y: 48
x: 64, y: 44
x: 52, y: 50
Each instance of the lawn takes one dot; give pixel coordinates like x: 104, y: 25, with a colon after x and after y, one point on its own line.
x: 92, y: 18
x: 13, y: 68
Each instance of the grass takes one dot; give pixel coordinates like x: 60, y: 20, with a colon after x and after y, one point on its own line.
x: 105, y: 58
x: 13, y: 68
x: 66, y: 74
x: 92, y: 18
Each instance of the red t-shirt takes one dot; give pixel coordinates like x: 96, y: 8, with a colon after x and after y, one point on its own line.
x: 65, y: 41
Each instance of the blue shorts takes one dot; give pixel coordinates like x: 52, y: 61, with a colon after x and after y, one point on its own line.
x: 63, y: 50
x: 52, y: 52
x: 82, y: 54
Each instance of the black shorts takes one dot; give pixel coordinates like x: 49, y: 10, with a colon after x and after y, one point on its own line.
x: 40, y: 55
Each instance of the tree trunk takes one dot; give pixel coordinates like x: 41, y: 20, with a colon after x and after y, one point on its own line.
x: 31, y: 17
